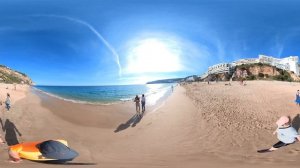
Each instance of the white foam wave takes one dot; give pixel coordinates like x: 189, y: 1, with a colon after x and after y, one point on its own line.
x: 72, y: 100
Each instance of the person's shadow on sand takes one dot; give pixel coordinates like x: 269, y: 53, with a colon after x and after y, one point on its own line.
x: 134, y: 120
x: 10, y: 132
x: 296, y: 122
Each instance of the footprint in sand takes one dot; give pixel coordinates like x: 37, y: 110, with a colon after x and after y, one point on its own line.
x: 294, y: 151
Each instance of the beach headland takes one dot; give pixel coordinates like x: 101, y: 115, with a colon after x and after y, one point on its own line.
x: 198, y: 125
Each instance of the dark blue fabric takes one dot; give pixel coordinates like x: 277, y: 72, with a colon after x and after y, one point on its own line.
x: 56, y: 150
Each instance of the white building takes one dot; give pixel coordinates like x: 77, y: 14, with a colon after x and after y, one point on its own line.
x: 220, y: 68
x: 190, y: 79
x: 289, y: 63
x: 245, y: 61
x: 204, y: 75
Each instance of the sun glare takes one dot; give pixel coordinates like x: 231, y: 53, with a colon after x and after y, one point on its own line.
x: 153, y: 56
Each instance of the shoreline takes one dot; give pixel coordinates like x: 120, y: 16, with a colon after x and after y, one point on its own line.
x: 166, y: 91
x: 125, y: 109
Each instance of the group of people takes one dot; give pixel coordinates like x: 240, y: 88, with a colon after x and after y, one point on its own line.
x: 285, y: 132
x: 138, y: 101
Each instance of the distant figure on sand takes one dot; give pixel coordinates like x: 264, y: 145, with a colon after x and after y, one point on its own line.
x: 285, y: 133
x: 7, y: 102
x: 298, y: 97
x: 143, y: 103
x: 245, y: 74
x: 230, y: 81
x: 137, y: 105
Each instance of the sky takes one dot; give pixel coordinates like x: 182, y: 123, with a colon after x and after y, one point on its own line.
x: 116, y: 42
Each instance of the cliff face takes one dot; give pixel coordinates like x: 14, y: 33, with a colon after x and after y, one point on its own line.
x: 270, y: 71
x: 8, y: 75
x: 259, y: 71
x: 295, y: 77
x: 256, y: 71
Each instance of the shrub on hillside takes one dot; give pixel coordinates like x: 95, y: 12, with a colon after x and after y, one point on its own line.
x: 283, y: 77
x: 9, y: 78
x: 251, y: 77
x: 267, y: 76
x: 261, y: 75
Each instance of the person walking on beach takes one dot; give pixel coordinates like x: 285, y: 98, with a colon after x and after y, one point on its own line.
x: 143, y: 103
x: 7, y: 102
x: 285, y: 133
x: 137, y: 105
x: 298, y: 97
x: 245, y: 75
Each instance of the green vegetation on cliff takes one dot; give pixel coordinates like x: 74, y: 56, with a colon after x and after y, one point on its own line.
x: 8, y: 75
x: 266, y: 72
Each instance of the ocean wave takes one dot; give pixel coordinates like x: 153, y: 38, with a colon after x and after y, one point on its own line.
x: 152, y: 95
x: 74, y: 101
x: 126, y: 99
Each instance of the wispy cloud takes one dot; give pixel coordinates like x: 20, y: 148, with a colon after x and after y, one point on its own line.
x: 90, y: 27
x: 279, y: 46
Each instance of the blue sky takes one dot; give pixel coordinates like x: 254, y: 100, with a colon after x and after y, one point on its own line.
x: 101, y: 42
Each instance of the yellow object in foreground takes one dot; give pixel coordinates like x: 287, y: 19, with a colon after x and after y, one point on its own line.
x: 30, y: 151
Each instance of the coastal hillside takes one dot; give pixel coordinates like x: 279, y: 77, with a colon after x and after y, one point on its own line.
x: 258, y: 71
x: 8, y: 75
x: 174, y: 80
x: 266, y: 71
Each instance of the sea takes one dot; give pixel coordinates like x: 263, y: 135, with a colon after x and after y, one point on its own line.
x: 108, y: 94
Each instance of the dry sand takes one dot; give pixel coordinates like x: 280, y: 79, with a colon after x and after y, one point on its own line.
x: 199, y: 125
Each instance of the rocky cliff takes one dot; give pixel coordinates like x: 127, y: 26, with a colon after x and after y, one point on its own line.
x: 8, y: 75
x: 256, y: 71
x: 265, y: 71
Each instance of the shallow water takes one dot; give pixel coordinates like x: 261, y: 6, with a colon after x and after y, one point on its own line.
x: 108, y: 94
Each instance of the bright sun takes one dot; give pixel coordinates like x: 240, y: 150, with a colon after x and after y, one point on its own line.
x: 153, y: 56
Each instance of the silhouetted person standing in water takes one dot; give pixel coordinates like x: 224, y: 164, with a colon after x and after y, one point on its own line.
x: 143, y: 103
x: 137, y: 105
x: 10, y: 132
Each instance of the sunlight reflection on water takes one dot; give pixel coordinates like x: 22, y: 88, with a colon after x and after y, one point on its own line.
x: 156, y: 92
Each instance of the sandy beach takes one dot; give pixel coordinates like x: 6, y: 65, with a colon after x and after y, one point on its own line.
x: 199, y: 125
